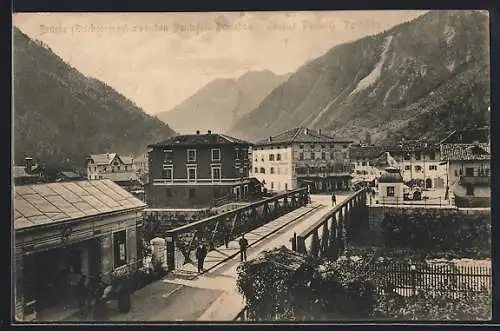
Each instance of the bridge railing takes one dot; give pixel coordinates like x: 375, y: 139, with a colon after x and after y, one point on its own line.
x: 182, y: 241
x: 328, y: 236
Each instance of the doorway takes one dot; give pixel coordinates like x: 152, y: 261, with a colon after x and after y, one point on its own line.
x: 428, y: 183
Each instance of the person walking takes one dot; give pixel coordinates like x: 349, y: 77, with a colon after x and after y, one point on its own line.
x: 243, y: 248
x: 334, y: 199
x: 201, y: 254
x: 226, y: 233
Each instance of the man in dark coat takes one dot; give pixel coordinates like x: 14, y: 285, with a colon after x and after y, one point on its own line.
x: 226, y: 234
x: 201, y: 254
x: 243, y: 248
x: 334, y: 199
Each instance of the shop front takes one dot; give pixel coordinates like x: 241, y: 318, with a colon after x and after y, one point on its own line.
x: 52, y: 256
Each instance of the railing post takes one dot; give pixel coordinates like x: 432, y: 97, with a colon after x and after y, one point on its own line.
x: 170, y: 246
x: 294, y: 242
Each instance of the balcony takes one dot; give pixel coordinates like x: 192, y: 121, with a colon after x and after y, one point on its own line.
x: 475, y: 180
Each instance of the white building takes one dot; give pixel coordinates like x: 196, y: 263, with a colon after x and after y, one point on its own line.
x: 300, y: 157
x: 111, y: 166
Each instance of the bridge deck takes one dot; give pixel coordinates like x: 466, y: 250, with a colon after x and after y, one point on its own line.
x: 212, y: 296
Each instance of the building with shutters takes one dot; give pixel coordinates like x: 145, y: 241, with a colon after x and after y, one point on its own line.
x: 196, y: 171
x: 302, y: 157
x: 64, y: 230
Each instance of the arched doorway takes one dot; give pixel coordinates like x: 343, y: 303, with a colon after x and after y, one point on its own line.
x: 428, y: 183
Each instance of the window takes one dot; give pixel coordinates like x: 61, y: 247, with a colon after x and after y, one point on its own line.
x: 469, y: 171
x: 119, y: 248
x: 470, y: 189
x: 407, y: 156
x: 105, y: 168
x: 215, y: 154
x: 168, y: 173
x: 363, y: 163
x: 262, y: 170
x: 191, y: 172
x: 278, y: 157
x: 312, y: 155
x: 126, y: 168
x: 216, y: 173
x: 118, y: 167
x: 407, y: 167
x: 272, y: 185
x: 344, y: 146
x: 433, y: 167
x: 390, y: 191
x: 323, y: 155
x: 432, y: 156
x: 418, y: 155
x: 301, y: 146
x: 301, y: 156
x: 271, y: 157
x: 256, y: 170
x: 236, y: 153
x: 192, y: 193
x: 418, y: 168
x: 191, y: 155
x: 271, y: 170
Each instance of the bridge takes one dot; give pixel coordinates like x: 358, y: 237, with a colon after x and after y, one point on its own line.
x: 314, y: 228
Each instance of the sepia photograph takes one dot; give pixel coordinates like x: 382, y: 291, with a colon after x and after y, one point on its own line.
x: 251, y: 167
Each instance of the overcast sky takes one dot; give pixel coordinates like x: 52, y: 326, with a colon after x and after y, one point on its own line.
x: 154, y: 60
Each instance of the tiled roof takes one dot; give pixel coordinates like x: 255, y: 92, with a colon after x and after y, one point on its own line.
x: 298, y: 135
x: 103, y: 158
x: 200, y: 139
x: 480, y: 135
x: 465, y: 152
x: 56, y: 202
x: 368, y: 152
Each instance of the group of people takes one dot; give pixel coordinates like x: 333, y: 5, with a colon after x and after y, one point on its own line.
x: 201, y: 250
x: 91, y: 296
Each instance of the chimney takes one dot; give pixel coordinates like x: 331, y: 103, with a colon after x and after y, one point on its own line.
x: 28, y: 164
x: 209, y: 131
x: 197, y: 131
x: 270, y: 138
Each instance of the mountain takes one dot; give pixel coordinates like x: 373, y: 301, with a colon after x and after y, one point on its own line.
x: 61, y: 116
x: 219, y: 104
x: 420, y: 79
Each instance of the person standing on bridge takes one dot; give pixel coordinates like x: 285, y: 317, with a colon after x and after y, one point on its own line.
x: 226, y: 233
x: 334, y: 199
x: 201, y: 254
x: 243, y: 247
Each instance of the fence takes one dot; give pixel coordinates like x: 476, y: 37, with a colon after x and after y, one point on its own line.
x: 437, y: 202
x: 433, y: 279
x: 327, y: 237
x: 182, y: 240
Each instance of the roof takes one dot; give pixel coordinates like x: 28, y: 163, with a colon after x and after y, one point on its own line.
x: 70, y: 174
x: 105, y: 158
x: 478, y: 135
x: 127, y: 159
x: 391, y: 176
x: 298, y: 135
x: 200, y: 139
x: 20, y: 171
x: 368, y: 152
x: 43, y: 204
x: 465, y: 152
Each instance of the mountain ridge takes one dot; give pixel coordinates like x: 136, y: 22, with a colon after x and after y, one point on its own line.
x: 380, y: 84
x: 220, y: 103
x: 61, y: 115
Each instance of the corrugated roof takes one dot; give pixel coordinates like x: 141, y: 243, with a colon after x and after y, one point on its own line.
x: 200, y: 139
x: 49, y: 203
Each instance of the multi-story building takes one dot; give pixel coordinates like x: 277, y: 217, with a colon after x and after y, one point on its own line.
x: 191, y: 171
x: 467, y: 157
x: 111, y: 166
x: 30, y: 173
x: 420, y: 163
x: 363, y: 161
x: 300, y: 157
